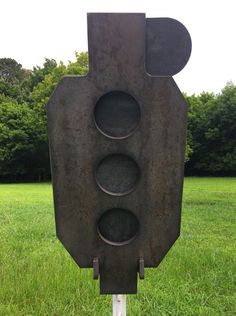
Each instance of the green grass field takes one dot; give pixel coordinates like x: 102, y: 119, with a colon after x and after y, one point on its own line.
x: 197, y: 277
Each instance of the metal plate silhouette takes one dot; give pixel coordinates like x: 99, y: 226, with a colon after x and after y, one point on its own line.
x: 84, y: 148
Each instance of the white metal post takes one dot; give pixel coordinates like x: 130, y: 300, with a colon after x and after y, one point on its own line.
x: 119, y: 305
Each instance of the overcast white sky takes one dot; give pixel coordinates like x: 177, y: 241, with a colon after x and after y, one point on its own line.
x: 34, y: 29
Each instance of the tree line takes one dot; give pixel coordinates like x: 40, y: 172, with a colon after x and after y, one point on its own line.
x: 211, y: 137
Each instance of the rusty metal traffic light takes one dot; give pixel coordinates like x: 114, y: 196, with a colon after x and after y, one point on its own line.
x: 117, y: 142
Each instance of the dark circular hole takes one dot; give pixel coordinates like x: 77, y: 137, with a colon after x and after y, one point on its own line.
x: 118, y: 226
x: 117, y: 174
x: 117, y: 114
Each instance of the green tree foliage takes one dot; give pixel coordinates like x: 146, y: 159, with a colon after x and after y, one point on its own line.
x: 211, y: 136
x: 221, y: 133
x: 23, y: 140
x: 198, y: 111
x: 12, y: 79
x: 38, y: 73
x: 212, y: 129
x: 11, y: 71
x: 19, y: 141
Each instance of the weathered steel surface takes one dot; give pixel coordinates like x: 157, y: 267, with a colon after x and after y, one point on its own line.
x: 148, y: 203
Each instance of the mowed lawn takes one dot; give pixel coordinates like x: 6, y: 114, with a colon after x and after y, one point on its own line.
x: 197, y: 277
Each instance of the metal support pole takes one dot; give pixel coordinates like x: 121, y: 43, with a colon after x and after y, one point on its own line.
x: 119, y: 305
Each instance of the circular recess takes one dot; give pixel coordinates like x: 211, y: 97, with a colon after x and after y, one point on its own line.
x: 117, y: 174
x: 118, y: 226
x: 117, y: 114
